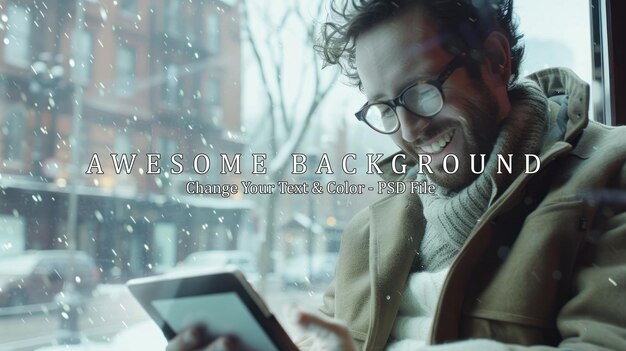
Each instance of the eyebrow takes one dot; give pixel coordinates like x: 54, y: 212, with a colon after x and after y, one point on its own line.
x: 381, y: 97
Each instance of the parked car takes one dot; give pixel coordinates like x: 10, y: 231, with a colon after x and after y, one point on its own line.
x: 295, y: 270
x: 38, y: 276
x: 243, y: 260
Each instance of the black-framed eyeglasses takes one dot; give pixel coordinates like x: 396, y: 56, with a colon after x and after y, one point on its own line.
x: 423, y: 98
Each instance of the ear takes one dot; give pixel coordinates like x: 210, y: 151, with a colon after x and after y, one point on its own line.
x: 497, y: 52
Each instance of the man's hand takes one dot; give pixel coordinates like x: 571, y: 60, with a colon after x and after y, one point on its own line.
x: 326, y: 333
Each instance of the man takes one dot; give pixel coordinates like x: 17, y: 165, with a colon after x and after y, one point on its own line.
x: 495, y: 259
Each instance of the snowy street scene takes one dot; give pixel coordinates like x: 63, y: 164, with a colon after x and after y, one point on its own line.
x: 142, y: 137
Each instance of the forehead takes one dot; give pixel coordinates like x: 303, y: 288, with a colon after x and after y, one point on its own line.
x: 396, y: 51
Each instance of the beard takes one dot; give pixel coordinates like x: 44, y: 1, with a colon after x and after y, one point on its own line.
x: 479, y: 130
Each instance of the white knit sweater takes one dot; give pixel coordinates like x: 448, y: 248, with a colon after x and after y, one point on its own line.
x: 415, y: 318
x: 411, y: 329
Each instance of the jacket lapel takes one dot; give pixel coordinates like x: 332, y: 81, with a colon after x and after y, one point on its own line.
x: 397, y: 226
x: 447, y: 316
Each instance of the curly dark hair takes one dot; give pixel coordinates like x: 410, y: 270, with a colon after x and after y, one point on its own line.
x: 464, y: 25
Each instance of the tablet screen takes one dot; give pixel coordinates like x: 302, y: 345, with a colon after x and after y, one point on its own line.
x: 222, y: 314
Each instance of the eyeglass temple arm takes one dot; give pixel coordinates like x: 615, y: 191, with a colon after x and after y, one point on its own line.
x: 359, y: 113
x: 457, y: 62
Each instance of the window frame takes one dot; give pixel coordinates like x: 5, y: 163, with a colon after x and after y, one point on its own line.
x: 607, y: 33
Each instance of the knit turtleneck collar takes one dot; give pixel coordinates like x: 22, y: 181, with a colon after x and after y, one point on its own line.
x: 450, y: 216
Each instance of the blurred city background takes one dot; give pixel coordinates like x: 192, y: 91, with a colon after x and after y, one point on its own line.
x: 85, y: 77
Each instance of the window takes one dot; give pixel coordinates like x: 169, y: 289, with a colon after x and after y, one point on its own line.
x: 214, y: 99
x: 82, y: 56
x: 125, y: 83
x: 14, y: 132
x: 170, y: 86
x: 608, y: 56
x: 128, y: 6
x: 157, y: 88
x: 214, y: 92
x: 173, y: 18
x: 548, y: 45
x: 12, y: 235
x: 167, y: 146
x: 17, y: 37
x: 213, y: 33
x: 123, y: 144
x: 164, y: 243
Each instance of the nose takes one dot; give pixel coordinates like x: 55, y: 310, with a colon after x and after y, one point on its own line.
x: 411, y: 125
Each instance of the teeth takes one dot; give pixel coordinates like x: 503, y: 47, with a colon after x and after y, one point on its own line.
x: 439, y: 144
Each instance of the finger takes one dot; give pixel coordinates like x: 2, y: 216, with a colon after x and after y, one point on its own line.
x: 309, y: 320
x: 329, y: 333
x: 188, y: 340
x: 322, y: 328
x: 225, y: 343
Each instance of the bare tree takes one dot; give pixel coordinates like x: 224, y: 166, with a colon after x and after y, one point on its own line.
x: 292, y: 100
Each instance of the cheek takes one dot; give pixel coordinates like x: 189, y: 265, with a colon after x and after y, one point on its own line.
x: 399, y: 141
x: 397, y: 138
x: 405, y: 146
x: 475, y: 114
x: 458, y: 117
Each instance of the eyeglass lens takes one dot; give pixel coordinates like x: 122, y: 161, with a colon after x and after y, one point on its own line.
x: 424, y: 99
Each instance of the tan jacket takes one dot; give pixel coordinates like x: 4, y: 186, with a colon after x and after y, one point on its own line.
x: 545, y: 265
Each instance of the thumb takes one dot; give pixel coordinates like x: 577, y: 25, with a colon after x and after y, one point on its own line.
x: 312, y: 321
x: 329, y: 333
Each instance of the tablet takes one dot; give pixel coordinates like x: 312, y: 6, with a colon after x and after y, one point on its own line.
x: 223, y: 301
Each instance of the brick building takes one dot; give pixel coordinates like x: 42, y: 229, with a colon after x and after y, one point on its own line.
x: 140, y: 76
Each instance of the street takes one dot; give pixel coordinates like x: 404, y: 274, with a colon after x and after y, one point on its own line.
x: 110, y: 311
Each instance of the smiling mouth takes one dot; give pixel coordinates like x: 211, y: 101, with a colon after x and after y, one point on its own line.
x: 438, y: 144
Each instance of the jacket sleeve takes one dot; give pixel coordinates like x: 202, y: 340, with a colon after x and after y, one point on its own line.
x: 594, y: 318
x: 328, y: 306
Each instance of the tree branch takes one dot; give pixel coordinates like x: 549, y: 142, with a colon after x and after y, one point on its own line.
x: 259, y: 61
